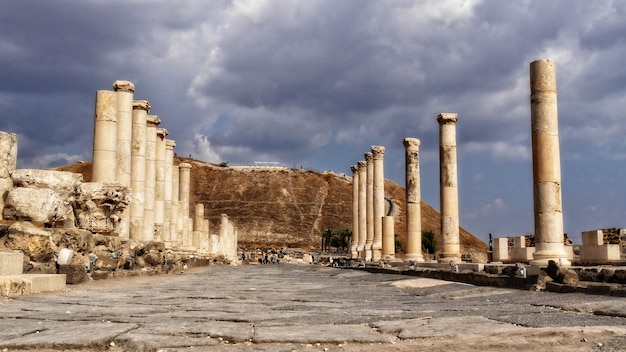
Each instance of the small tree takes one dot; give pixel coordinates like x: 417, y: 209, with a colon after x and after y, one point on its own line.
x: 429, y: 242
x: 223, y: 164
x: 326, y: 239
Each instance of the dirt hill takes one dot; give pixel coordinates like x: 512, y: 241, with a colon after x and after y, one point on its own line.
x: 283, y: 207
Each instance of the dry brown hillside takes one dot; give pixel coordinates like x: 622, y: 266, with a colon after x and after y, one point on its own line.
x: 290, y: 207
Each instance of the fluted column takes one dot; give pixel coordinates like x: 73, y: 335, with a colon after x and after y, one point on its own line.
x: 104, y: 137
x: 167, y: 195
x: 362, y: 166
x: 449, y: 243
x: 185, y: 178
x: 413, y: 201
x: 369, y: 239
x: 159, y: 190
x: 138, y: 168
x: 389, y: 241
x: 378, y: 153
x: 355, y: 212
x: 151, y: 137
x: 124, y: 91
x: 546, y: 165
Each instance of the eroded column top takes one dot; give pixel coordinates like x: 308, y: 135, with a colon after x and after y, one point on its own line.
x: 141, y: 105
x: 368, y: 156
x: 170, y: 143
x: 184, y: 166
x: 124, y: 86
x: 378, y: 151
x: 411, y: 142
x: 447, y: 117
x: 153, y: 120
x: 162, y: 132
x: 354, y: 168
x: 362, y: 165
x: 542, y: 76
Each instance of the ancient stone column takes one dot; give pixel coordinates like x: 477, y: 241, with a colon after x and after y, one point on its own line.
x: 198, y: 226
x: 355, y: 212
x: 8, y: 162
x: 176, y: 222
x: 369, y: 207
x: 389, y: 242
x: 413, y: 201
x: 185, y: 179
x: 168, y: 194
x: 546, y: 165
x: 449, y: 243
x: 159, y: 190
x: 104, y: 137
x: 378, y: 153
x: 362, y: 166
x: 138, y: 168
x: 151, y: 137
x: 124, y: 91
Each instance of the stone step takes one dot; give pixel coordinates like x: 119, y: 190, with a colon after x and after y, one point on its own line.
x: 26, y: 284
x: 11, y: 263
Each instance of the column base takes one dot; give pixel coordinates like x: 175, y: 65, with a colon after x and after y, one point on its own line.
x: 416, y: 257
x: 544, y: 252
x: 448, y: 257
x: 368, y: 255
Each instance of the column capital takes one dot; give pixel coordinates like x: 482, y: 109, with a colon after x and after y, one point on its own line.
x: 184, y: 166
x: 162, y: 132
x: 354, y: 168
x: 378, y: 151
x: 124, y: 86
x: 411, y: 142
x: 153, y: 120
x: 170, y: 143
x: 141, y: 105
x: 368, y: 156
x: 447, y: 117
x: 362, y: 165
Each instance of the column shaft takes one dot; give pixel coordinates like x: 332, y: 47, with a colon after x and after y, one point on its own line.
x: 413, y: 201
x: 355, y: 212
x: 169, y: 174
x: 449, y: 243
x: 104, y: 137
x: 138, y: 169
x: 150, y: 184
x: 362, y: 165
x: 185, y: 178
x: 389, y: 242
x: 378, y: 153
x: 176, y: 225
x: 159, y: 190
x: 369, y: 239
x: 124, y: 91
x: 546, y: 165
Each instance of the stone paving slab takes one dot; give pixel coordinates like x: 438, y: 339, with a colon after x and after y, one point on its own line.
x: 326, y: 333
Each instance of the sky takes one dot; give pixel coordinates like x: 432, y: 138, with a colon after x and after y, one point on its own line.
x: 315, y: 84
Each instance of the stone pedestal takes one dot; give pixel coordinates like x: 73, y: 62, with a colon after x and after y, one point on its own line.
x: 355, y: 212
x: 369, y: 207
x: 150, y: 198
x: 168, y: 193
x: 124, y: 91
x: 546, y: 165
x: 501, y: 249
x: 362, y: 165
x: 185, y: 178
x: 8, y: 161
x: 138, y: 168
x: 159, y: 190
x: 389, y: 241
x: 449, y: 243
x: 104, y: 137
x: 378, y: 153
x: 413, y: 201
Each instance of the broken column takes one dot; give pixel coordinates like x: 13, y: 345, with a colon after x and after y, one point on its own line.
x: 138, y: 168
x: 8, y: 162
x: 124, y: 91
x: 168, y: 223
x: 185, y: 179
x: 449, y: 243
x: 546, y: 165
x: 378, y: 153
x: 369, y: 207
x: 104, y: 158
x: 362, y: 166
x: 151, y: 136
x: 355, y: 211
x: 198, y: 226
x: 159, y: 190
x: 389, y: 241
x: 413, y: 201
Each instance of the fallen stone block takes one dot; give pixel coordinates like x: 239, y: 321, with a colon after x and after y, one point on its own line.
x: 33, y: 241
x: 63, y: 183
x: 11, y: 263
x: 26, y: 284
x: 74, y: 273
x: 38, y: 205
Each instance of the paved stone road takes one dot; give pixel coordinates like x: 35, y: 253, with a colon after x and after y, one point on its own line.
x: 307, y: 308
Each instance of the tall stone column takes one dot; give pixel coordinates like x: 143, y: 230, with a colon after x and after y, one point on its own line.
x: 413, y: 201
x: 378, y: 153
x: 355, y: 212
x: 124, y: 91
x: 546, y: 165
x: 104, y: 137
x: 138, y: 168
x: 168, y: 194
x: 369, y: 207
x: 159, y: 190
x: 185, y: 179
x: 449, y: 243
x: 176, y: 225
x: 389, y: 242
x: 8, y: 163
x: 362, y: 166
x: 198, y: 226
x: 150, y: 199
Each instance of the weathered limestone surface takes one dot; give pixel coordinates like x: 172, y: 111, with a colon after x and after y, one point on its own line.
x: 355, y: 212
x: 159, y: 189
x: 546, y: 165
x: 138, y: 168
x: 33, y: 241
x: 34, y: 204
x: 99, y: 206
x: 124, y: 91
x: 362, y: 165
x: 104, y: 166
x: 61, y: 182
x: 150, y: 184
x: 167, y: 193
x: 369, y: 206
x: 184, y: 178
x: 378, y: 153
x: 413, y: 201
x: 450, y: 247
x: 389, y: 243
x: 11, y: 263
x: 8, y: 160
